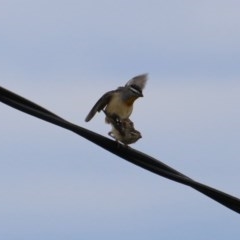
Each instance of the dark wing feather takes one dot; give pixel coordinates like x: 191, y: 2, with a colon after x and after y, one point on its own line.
x: 100, y: 105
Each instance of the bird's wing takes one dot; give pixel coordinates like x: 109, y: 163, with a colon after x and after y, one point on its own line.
x: 100, y: 105
x: 139, y: 81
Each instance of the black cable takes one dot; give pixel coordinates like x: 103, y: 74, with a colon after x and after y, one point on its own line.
x: 129, y: 154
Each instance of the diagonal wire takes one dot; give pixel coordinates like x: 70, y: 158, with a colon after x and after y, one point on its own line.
x: 136, y: 157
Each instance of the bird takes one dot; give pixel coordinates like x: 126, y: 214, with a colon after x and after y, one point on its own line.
x: 118, y: 104
x: 124, y: 131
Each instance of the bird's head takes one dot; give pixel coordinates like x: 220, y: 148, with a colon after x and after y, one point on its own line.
x: 133, y: 88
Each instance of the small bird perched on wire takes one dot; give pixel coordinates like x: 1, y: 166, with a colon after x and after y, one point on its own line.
x: 119, y: 103
x: 124, y: 132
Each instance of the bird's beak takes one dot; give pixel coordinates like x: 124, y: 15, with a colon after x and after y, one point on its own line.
x: 140, y: 94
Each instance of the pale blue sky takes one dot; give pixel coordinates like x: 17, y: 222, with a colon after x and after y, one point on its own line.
x: 64, y: 55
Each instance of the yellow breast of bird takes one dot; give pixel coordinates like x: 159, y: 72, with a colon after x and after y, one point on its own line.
x: 119, y: 107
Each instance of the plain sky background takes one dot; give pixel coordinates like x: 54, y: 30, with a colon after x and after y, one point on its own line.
x: 64, y: 55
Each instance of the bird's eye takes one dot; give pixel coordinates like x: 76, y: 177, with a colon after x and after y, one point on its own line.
x: 135, y: 90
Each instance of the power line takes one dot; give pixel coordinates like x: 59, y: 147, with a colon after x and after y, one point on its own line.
x: 136, y: 157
